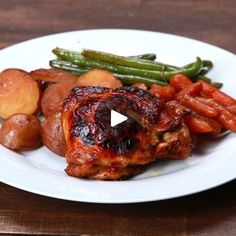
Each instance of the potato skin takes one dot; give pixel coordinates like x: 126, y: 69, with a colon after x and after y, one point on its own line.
x: 99, y: 77
x: 21, y: 132
x: 53, y: 75
x: 19, y: 93
x: 54, y: 96
x: 53, y: 135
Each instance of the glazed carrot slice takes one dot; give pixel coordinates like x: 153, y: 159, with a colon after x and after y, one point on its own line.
x: 180, y: 82
x: 200, y: 124
x: 166, y: 93
x: 197, y: 106
x: 192, y: 90
x: 197, y: 124
x: 216, y: 126
x: 226, y: 118
x: 232, y: 109
x: 220, y: 97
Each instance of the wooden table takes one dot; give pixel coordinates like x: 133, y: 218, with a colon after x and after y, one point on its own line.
x: 209, y: 213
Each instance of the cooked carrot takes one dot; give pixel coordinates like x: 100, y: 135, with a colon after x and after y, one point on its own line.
x: 197, y: 124
x: 232, y: 109
x: 54, y: 96
x: 226, y: 118
x: 180, y: 82
x: 98, y: 77
x: 200, y: 124
x: 220, y: 97
x: 192, y: 90
x: 19, y: 93
x: 216, y: 126
x: 197, y: 106
x: 166, y: 93
x: 53, y: 75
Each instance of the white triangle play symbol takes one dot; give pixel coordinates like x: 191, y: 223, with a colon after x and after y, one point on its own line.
x: 117, y: 118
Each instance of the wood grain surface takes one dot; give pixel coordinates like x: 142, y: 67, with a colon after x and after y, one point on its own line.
x: 209, y: 213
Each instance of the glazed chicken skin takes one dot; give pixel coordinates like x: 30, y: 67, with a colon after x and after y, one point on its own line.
x: 98, y: 151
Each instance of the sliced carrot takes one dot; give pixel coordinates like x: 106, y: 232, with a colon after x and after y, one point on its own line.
x: 216, y: 126
x: 19, y: 93
x: 209, y: 91
x: 180, y: 82
x: 197, y: 106
x: 167, y: 93
x: 53, y: 75
x: 232, y: 109
x: 192, y: 90
x: 197, y: 124
x: 226, y: 118
x: 200, y: 124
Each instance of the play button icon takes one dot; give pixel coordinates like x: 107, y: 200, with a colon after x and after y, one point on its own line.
x: 117, y: 118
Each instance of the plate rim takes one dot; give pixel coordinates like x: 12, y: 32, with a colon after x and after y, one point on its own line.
x: 116, y: 201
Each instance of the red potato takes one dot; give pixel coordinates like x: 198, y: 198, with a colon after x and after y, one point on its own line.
x: 98, y: 77
x: 21, y: 132
x: 54, y: 96
x: 53, y: 75
x: 19, y: 93
x: 53, y: 134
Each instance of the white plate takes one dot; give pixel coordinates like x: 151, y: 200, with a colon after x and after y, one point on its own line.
x: 42, y: 172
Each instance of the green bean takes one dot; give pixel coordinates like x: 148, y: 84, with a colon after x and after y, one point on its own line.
x: 217, y: 84
x: 147, y: 56
x: 132, y: 79
x: 108, y: 58
x: 125, y: 79
x: 202, y: 78
x: 208, y: 80
x: 125, y: 61
x: 206, y: 67
x: 68, y: 66
x: 159, y: 75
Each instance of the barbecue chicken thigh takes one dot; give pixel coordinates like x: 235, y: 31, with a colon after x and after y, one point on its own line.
x: 96, y: 150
